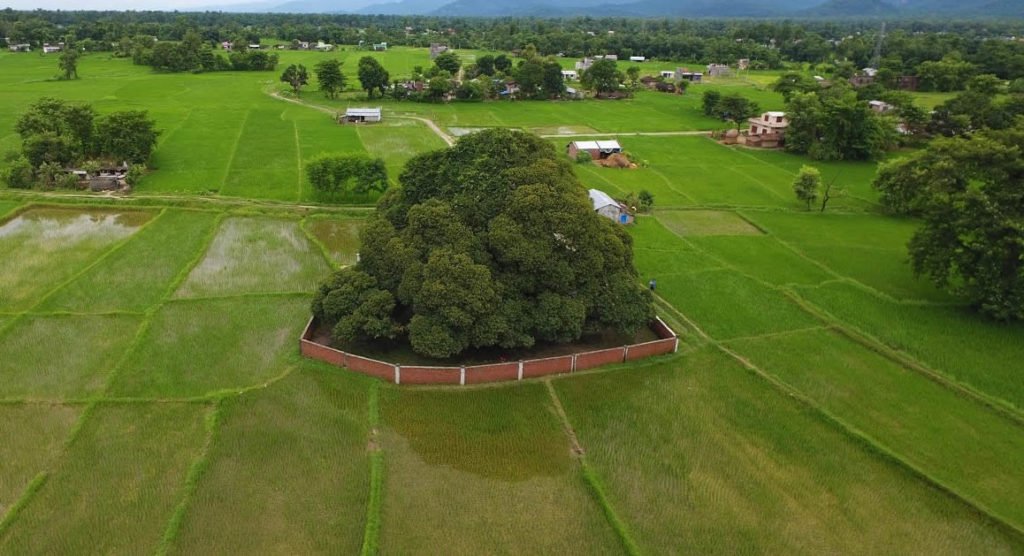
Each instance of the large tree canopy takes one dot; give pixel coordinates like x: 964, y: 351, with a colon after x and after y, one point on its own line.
x: 970, y: 192
x: 492, y: 242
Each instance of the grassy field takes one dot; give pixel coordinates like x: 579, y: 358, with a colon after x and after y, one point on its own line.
x: 288, y: 473
x: 495, y: 461
x: 700, y: 456
x: 116, y: 484
x: 152, y: 398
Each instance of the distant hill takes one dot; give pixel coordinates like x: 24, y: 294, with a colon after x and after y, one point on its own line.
x: 850, y: 8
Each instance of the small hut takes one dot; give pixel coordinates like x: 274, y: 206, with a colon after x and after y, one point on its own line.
x: 360, y: 116
x: 597, y: 149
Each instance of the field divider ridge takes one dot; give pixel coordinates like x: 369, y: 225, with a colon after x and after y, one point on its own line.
x: 320, y: 245
x: 37, y: 483
x: 11, y: 516
x: 854, y: 433
x: 192, y: 478
x: 151, y: 312
x: 234, y: 152
x: 868, y: 442
x: 671, y: 187
x: 591, y: 478
x: 375, y: 498
x: 298, y: 159
x: 1001, y: 407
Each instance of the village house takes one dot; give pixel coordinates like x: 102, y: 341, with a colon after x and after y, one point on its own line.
x: 683, y: 74
x: 324, y: 47
x: 105, y: 178
x: 637, y: 59
x: 769, y: 122
x: 437, y: 49
x: 667, y: 74
x: 766, y: 131
x: 718, y: 70
x: 380, y: 46
x: 584, y: 64
x: 254, y: 46
x: 360, y: 116
x: 596, y: 149
x: 226, y: 46
x: 570, y: 75
x: 743, y: 64
x: 51, y: 48
x: 609, y: 208
x: 612, y: 57
x: 22, y: 47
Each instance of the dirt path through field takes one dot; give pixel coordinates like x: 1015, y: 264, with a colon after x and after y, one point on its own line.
x: 448, y: 139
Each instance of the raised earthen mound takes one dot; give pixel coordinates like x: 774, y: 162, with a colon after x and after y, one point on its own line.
x: 616, y: 160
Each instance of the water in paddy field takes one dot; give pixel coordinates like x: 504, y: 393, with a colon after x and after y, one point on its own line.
x: 45, y: 225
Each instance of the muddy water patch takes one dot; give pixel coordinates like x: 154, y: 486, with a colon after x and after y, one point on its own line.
x: 256, y: 255
x: 339, y: 237
x: 43, y: 247
x: 45, y: 225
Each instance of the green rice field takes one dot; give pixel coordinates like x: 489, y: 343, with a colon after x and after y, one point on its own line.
x: 153, y: 399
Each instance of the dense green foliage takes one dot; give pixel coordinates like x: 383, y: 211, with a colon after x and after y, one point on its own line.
x: 372, y: 76
x: 192, y: 54
x: 732, y: 107
x: 490, y: 243
x: 981, y: 106
x: 602, y: 77
x: 334, y: 175
x: 834, y: 124
x: 68, y: 62
x: 330, y: 78
x: 296, y: 77
x: 970, y: 192
x: 807, y: 184
x: 56, y: 134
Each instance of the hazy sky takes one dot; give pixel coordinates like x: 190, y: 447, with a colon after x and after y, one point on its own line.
x: 167, y: 5
x: 111, y: 4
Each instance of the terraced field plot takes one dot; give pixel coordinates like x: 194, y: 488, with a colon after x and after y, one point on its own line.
x: 699, y: 455
x: 287, y: 261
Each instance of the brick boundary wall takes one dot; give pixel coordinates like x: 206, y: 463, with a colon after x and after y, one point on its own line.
x: 494, y: 372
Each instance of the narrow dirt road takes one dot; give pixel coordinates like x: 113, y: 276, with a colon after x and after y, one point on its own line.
x: 448, y: 139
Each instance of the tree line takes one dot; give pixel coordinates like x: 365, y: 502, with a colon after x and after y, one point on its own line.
x: 937, y: 51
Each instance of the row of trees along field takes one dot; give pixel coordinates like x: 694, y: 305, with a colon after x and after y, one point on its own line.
x: 535, y: 78
x: 57, y: 135
x: 191, y: 53
x: 942, y: 53
x: 490, y: 243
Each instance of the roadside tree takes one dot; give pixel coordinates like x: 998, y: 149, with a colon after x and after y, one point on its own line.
x: 295, y: 76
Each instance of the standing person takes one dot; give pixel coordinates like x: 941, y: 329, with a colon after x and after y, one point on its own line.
x: 652, y: 284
